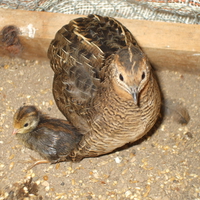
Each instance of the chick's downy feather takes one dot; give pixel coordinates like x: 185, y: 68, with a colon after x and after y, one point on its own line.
x: 52, y: 138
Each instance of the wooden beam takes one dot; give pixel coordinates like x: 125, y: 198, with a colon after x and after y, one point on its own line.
x: 168, y: 45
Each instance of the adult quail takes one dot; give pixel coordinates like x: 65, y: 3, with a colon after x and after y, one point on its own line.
x: 52, y: 138
x: 103, y: 84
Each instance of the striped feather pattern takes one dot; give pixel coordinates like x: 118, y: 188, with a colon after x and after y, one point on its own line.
x: 103, y: 84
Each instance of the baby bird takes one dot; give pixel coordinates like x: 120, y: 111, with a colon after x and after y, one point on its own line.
x: 52, y: 138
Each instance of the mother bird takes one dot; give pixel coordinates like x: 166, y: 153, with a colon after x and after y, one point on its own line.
x: 103, y: 84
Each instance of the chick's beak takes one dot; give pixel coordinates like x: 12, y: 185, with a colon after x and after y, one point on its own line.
x: 134, y: 92
x: 15, y: 131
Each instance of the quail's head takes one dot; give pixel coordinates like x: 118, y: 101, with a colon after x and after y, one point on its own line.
x: 25, y: 119
x: 131, y: 71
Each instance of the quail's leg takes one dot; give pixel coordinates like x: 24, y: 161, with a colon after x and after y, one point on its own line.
x: 36, y: 162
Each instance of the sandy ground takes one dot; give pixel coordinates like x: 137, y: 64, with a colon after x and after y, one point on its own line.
x: 164, y: 165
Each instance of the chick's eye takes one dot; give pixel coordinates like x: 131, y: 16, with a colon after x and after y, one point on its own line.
x: 121, y: 77
x: 25, y: 125
x: 143, y: 75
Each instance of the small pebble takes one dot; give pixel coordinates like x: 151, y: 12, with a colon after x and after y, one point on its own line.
x: 118, y: 160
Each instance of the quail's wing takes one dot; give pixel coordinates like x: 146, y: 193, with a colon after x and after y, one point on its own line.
x: 78, y: 55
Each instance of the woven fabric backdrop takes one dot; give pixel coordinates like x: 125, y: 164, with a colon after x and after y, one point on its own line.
x: 178, y: 11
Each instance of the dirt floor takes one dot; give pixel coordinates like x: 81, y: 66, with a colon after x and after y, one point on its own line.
x: 164, y: 165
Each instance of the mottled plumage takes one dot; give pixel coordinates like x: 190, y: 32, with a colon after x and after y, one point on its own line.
x: 52, y: 138
x: 103, y: 84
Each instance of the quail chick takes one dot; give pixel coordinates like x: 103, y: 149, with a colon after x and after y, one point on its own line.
x: 103, y: 84
x: 52, y: 138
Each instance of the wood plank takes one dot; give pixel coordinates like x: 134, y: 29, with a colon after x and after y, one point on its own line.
x: 168, y: 45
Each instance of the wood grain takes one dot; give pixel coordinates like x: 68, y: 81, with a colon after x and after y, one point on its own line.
x: 168, y: 45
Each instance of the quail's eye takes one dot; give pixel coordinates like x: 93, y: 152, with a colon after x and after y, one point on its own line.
x: 25, y: 125
x: 121, y: 77
x: 143, y: 75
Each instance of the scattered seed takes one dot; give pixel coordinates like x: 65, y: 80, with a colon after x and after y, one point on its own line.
x: 73, y: 182
x: 194, y: 175
x: 124, y: 172
x: 91, y: 173
x: 128, y: 193
x: 12, y: 156
x: 2, y: 165
x: 6, y: 66
x: 11, y: 165
x: 45, y: 177
x: 148, y: 188
x: 51, y: 102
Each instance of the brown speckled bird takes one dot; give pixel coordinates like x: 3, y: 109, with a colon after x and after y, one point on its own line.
x: 103, y: 84
x: 52, y: 138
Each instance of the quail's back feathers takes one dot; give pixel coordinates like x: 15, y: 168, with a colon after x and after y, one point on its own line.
x: 103, y: 84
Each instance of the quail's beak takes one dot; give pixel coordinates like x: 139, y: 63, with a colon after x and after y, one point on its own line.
x: 15, y: 131
x: 134, y: 92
